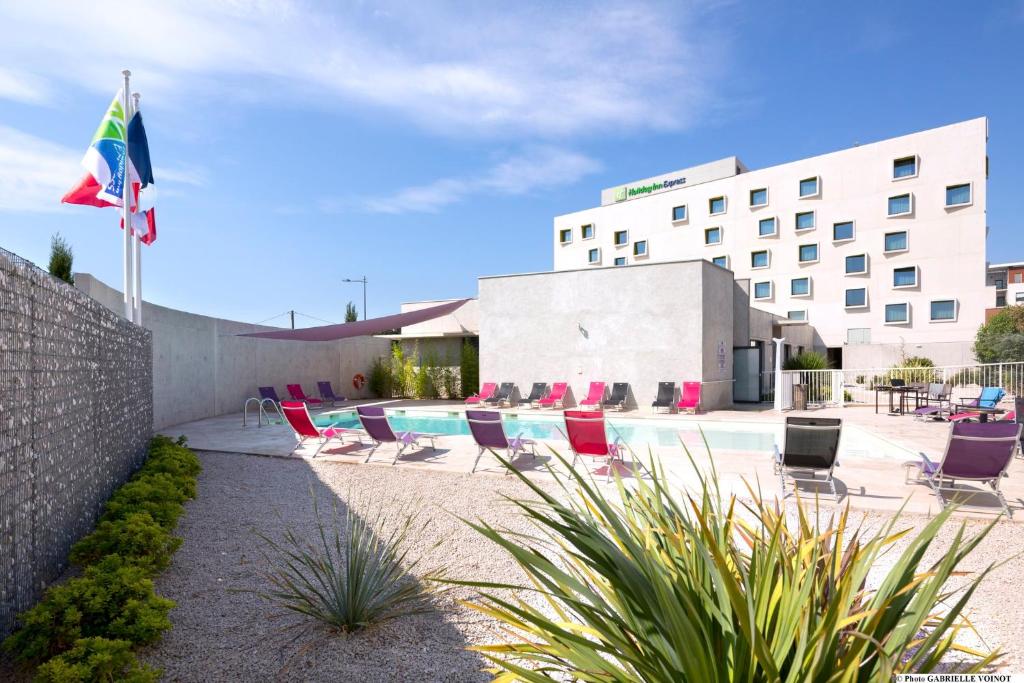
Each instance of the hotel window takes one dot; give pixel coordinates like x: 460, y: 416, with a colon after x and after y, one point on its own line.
x: 808, y: 253
x: 896, y: 314
x: 713, y: 236
x: 759, y: 197
x: 958, y: 195
x: 759, y: 259
x: 805, y: 220
x: 901, y: 205
x: 1017, y: 277
x: 796, y: 315
x: 716, y: 205
x: 800, y: 286
x: 895, y: 241
x: 943, y: 310
x: 763, y: 290
x: 594, y: 256
x: 810, y: 187
x: 857, y: 264
x: 904, y: 277
x: 621, y: 238
x: 857, y: 298
x: 620, y: 260
x: 905, y: 167
x: 722, y: 261
x: 842, y: 232
x: 565, y: 236
x: 640, y: 248
x: 766, y: 227
x: 1019, y: 297
x: 679, y: 213
x: 588, y: 231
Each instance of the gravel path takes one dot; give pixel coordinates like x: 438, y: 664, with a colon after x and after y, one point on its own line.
x: 223, y: 635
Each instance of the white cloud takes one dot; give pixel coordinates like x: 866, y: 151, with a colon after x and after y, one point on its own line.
x: 35, y: 173
x: 463, y: 69
x: 537, y: 168
x: 180, y: 175
x: 21, y: 87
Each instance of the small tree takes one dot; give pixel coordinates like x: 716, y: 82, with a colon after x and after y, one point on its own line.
x: 61, y: 259
x: 1001, y: 339
x: 469, y: 368
x: 351, y: 314
x: 808, y: 360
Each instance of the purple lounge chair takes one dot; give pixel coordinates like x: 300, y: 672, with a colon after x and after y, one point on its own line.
x: 270, y: 394
x: 978, y: 453
x: 327, y: 394
x: 489, y: 433
x: 377, y: 427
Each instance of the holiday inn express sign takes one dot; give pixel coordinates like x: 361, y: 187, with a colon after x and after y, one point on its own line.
x: 633, y: 191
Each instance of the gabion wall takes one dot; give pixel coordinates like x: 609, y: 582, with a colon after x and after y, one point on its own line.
x: 76, y: 413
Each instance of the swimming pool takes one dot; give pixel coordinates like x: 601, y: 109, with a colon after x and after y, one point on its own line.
x: 757, y: 437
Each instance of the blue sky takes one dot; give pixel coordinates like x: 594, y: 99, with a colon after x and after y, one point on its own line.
x: 297, y: 144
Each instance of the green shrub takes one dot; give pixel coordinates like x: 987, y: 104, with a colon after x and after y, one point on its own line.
x: 167, y: 457
x: 114, y: 599
x: 469, y: 369
x: 135, y: 537
x: 807, y: 360
x: 914, y: 370
x: 380, y: 379
x: 649, y: 583
x: 450, y: 382
x: 1001, y: 339
x: 159, y: 494
x: 62, y: 259
x: 95, y: 660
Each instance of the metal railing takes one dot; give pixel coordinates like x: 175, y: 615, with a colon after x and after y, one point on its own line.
x: 857, y: 386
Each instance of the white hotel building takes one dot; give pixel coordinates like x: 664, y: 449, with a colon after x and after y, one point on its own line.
x: 880, y: 247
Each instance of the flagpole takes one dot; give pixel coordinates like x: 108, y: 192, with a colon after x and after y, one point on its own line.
x: 137, y: 243
x: 126, y: 209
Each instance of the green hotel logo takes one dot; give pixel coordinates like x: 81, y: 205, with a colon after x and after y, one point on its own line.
x: 626, y: 192
x: 620, y: 193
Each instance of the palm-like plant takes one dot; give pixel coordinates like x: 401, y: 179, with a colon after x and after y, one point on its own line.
x: 355, y: 573
x: 647, y: 585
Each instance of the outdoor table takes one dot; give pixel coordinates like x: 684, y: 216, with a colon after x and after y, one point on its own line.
x: 903, y: 393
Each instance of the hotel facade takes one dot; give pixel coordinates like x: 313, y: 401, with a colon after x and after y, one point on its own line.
x: 879, y: 248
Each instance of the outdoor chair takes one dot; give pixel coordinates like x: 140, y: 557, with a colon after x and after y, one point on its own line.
x: 297, y: 394
x: 503, y: 396
x: 595, y: 394
x: 810, y: 446
x: 556, y: 398
x: 987, y: 399
x: 489, y: 434
x: 938, y: 396
x: 486, y: 391
x: 689, y: 401
x: 588, y: 439
x: 269, y: 394
x: 297, y: 414
x: 377, y: 427
x: 327, y: 394
x: 666, y: 396
x: 538, y: 391
x: 617, y: 400
x: 975, y: 453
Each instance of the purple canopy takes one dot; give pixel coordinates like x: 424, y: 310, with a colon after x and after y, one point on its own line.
x: 361, y: 328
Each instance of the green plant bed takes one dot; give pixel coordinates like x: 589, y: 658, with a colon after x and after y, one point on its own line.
x: 96, y: 659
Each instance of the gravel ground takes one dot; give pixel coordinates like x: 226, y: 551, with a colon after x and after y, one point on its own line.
x: 223, y: 635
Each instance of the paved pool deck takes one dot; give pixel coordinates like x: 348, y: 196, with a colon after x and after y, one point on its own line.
x: 868, y: 483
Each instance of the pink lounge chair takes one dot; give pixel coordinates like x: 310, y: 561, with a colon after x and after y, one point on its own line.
x: 556, y: 398
x: 587, y: 438
x: 297, y: 394
x: 594, y: 396
x: 297, y: 414
x: 486, y: 392
x: 690, y: 400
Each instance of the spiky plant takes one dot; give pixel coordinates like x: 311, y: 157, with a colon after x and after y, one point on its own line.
x: 647, y: 584
x: 354, y: 573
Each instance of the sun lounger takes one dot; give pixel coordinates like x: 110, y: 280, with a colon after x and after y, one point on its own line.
x: 588, y: 439
x: 987, y: 399
x: 810, y: 446
x: 936, y: 401
x: 327, y: 394
x: 297, y: 394
x: 489, y: 434
x: 556, y: 398
x: 617, y: 400
x: 486, y: 391
x: 297, y: 414
x: 689, y: 402
x: 269, y: 394
x: 666, y: 396
x: 595, y: 394
x: 538, y: 391
x: 377, y: 427
x: 975, y: 453
x: 503, y: 396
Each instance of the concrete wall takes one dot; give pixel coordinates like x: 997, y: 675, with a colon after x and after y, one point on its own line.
x: 201, y: 369
x: 864, y: 356
x: 642, y: 325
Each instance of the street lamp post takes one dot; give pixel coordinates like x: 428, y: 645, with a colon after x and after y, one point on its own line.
x: 363, y: 281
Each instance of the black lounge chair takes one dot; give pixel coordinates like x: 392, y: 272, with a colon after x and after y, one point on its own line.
x: 811, y: 446
x: 617, y: 401
x: 666, y: 396
x: 503, y: 396
x: 537, y: 392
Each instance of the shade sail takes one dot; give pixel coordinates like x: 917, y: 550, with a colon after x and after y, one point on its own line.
x: 361, y: 328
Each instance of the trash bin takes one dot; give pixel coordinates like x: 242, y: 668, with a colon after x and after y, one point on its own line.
x: 799, y: 397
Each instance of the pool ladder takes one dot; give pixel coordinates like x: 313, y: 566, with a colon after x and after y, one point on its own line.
x: 263, y: 413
